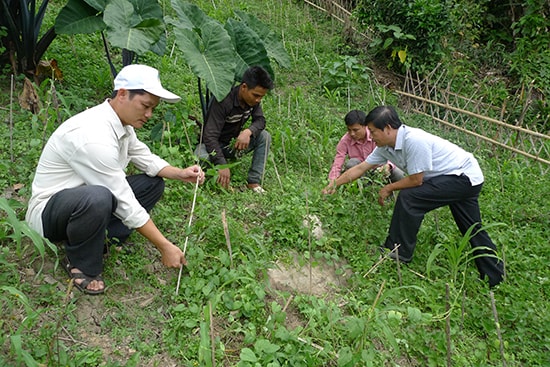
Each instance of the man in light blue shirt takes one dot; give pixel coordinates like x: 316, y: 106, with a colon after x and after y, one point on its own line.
x: 439, y: 173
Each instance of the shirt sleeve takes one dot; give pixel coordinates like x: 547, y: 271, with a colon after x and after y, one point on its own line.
x: 97, y: 164
x: 215, y: 120
x: 339, y: 159
x: 142, y: 157
x: 377, y: 157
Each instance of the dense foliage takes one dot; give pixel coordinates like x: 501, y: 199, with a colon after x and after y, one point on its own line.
x: 512, y: 39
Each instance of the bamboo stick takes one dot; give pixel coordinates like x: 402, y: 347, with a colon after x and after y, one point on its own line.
x: 227, y: 239
x: 492, y: 141
x: 481, y: 117
x: 497, y: 325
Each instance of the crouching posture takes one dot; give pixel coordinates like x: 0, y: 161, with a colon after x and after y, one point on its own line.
x: 80, y: 192
x: 439, y: 174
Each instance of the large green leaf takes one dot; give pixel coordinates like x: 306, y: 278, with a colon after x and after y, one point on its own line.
x: 189, y: 15
x: 78, y: 17
x: 98, y: 5
x: 147, y: 9
x: 160, y: 47
x: 128, y: 29
x: 210, y: 56
x: 206, y: 47
x: 273, y: 45
x: 249, y: 47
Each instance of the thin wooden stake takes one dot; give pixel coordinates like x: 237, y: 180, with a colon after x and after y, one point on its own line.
x: 192, y: 210
x: 212, y: 339
x: 58, y: 327
x: 381, y: 260
x: 288, y: 302
x: 317, y: 346
x: 187, y: 236
x: 227, y: 239
x: 378, y: 296
x: 309, y: 243
x: 398, y: 265
x: 497, y: 324
x: 448, y: 324
x: 276, y: 171
x: 12, y: 159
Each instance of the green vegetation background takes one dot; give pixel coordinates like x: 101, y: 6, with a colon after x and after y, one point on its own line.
x: 226, y: 313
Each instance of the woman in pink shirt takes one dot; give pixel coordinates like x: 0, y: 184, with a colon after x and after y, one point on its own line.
x: 357, y: 144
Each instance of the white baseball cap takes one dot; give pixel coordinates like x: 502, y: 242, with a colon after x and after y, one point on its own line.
x: 143, y: 77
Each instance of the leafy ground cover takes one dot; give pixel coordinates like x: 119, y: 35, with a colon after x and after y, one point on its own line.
x: 227, y: 312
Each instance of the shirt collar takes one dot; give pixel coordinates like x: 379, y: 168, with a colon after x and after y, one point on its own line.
x: 235, y: 94
x: 400, y: 138
x: 114, y: 121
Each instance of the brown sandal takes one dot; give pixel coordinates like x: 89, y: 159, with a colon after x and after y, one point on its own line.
x: 86, y: 279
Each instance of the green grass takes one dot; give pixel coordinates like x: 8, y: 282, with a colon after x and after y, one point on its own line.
x: 225, y: 307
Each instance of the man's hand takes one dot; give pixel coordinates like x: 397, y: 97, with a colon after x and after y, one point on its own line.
x: 173, y: 257
x: 189, y: 174
x: 413, y: 180
x: 224, y: 177
x: 243, y: 140
x: 385, y: 170
x: 192, y: 174
x: 383, y: 194
x: 330, y: 188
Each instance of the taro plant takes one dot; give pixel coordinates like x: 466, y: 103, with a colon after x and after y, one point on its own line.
x: 134, y: 26
x: 348, y: 73
x: 23, y: 19
x: 219, y: 54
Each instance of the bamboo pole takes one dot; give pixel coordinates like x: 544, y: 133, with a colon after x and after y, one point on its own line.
x: 497, y: 324
x: 345, y: 11
x: 481, y: 117
x: 492, y: 141
x: 448, y: 325
x: 227, y: 239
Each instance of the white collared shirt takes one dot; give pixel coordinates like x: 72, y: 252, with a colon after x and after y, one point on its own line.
x: 92, y: 148
x: 419, y: 151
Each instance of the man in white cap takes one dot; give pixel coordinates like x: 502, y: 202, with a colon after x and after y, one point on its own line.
x: 80, y: 192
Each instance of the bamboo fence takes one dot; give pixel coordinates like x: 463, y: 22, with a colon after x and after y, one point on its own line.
x: 517, y: 126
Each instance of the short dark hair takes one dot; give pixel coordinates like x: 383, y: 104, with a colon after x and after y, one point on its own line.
x: 132, y: 92
x: 256, y: 75
x: 383, y: 116
x: 355, y: 117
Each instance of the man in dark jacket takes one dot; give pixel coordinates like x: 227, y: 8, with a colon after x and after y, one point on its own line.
x: 225, y: 136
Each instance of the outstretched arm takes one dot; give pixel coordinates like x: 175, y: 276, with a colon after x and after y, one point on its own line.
x: 350, y: 175
x: 189, y: 174
x: 172, y: 255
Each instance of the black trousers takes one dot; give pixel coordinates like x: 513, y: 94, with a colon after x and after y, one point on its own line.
x: 83, y: 218
x: 462, y: 198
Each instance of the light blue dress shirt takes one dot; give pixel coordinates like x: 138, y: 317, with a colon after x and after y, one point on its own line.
x: 419, y: 151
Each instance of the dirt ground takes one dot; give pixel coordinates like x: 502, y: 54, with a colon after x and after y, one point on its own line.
x: 91, y: 312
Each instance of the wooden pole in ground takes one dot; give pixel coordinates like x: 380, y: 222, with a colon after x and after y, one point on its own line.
x: 497, y: 324
x: 448, y: 324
